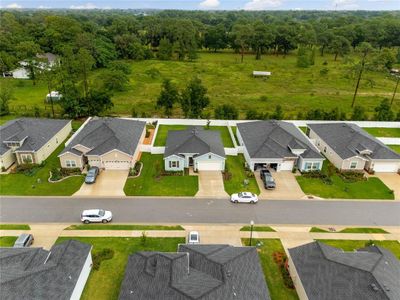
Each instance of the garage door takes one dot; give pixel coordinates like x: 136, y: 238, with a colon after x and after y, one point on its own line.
x: 209, y: 166
x: 117, y: 164
x: 287, y: 165
x: 386, y: 167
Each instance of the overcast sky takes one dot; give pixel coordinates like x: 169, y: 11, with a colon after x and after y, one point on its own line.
x: 209, y: 4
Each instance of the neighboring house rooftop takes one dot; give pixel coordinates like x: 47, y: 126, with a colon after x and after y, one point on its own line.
x: 349, y: 140
x: 34, y: 273
x: 328, y: 273
x: 275, y: 139
x: 194, y: 140
x: 195, y: 272
x: 34, y: 133
x: 102, y: 135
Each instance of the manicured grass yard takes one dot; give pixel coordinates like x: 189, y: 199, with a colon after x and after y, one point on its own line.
x: 350, y: 245
x: 235, y: 165
x: 37, y: 185
x: 161, y: 138
x: 14, y: 227
x: 272, y: 273
x: 395, y: 148
x: 350, y: 230
x: 383, y: 132
x: 373, y: 188
x: 303, y: 128
x: 257, y: 228
x: 7, y: 241
x: 105, y: 283
x: 147, y: 184
x: 122, y: 227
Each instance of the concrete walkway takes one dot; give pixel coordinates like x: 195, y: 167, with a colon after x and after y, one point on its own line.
x: 217, y: 234
x: 211, y: 184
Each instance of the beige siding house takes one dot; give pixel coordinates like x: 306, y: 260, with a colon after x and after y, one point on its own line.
x: 31, y: 140
x: 107, y: 143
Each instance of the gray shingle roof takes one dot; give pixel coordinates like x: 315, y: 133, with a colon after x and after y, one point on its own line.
x: 328, y: 273
x: 36, y: 131
x: 196, y: 272
x: 271, y: 139
x: 102, y: 135
x: 34, y: 273
x: 348, y: 139
x: 194, y: 140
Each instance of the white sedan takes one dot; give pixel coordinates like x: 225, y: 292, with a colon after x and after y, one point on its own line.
x: 244, y: 197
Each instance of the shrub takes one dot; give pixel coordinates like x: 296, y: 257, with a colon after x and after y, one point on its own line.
x: 352, y: 176
x: 324, y: 71
x: 227, y: 175
x: 136, y: 169
x: 99, y: 256
x: 143, y: 238
x: 28, y: 169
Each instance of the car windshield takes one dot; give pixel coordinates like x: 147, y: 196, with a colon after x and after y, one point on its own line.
x: 91, y: 172
x: 102, y: 212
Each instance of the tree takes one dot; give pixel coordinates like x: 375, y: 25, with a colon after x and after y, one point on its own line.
x: 242, y: 37
x: 27, y: 52
x: 383, y: 112
x: 261, y: 38
x: 216, y: 37
x: 339, y: 46
x: 165, y: 49
x: 168, y: 96
x: 364, y: 48
x: 113, y: 80
x: 359, y: 113
x: 6, y: 95
x: 85, y: 64
x: 194, y: 98
x: 47, y: 75
x: 226, y: 112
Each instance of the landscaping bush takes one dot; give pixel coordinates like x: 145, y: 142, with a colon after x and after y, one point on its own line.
x: 55, y: 174
x: 99, y: 256
x: 352, y: 176
x: 172, y: 173
x: 136, y: 169
x: 227, y: 175
x: 28, y: 169
x: 319, y: 175
x: 281, y: 260
x: 249, y: 174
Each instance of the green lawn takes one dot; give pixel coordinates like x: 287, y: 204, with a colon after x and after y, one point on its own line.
x: 350, y: 245
x: 303, y: 128
x: 123, y: 227
x: 350, y: 230
x: 161, y: 138
x: 395, y: 148
x: 272, y: 273
x: 257, y: 228
x: 105, y: 283
x: 234, y: 129
x: 235, y: 165
x: 373, y: 188
x: 7, y: 241
x: 14, y: 227
x: 229, y: 81
x: 148, y: 185
x: 37, y: 185
x: 383, y: 132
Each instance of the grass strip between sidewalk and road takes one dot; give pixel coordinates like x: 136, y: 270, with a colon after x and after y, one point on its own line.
x: 257, y: 228
x: 7, y: 241
x: 350, y: 230
x: 123, y: 227
x: 14, y: 227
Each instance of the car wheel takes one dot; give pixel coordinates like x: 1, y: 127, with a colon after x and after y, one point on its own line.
x: 252, y: 202
x: 236, y: 201
x: 104, y: 221
x: 86, y: 222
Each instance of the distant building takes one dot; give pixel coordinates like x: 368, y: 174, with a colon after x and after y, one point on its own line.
x: 23, y: 73
x: 53, y: 95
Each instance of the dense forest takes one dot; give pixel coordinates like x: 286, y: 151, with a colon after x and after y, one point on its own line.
x: 88, y: 40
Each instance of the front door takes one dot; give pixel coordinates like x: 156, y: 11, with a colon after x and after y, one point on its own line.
x: 190, y: 161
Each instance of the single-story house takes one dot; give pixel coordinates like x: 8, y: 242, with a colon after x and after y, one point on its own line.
x: 31, y: 140
x: 277, y: 144
x: 45, y: 60
x: 197, y: 147
x: 203, y: 272
x: 350, y: 148
x: 35, y: 273
x: 322, y: 272
x: 107, y: 143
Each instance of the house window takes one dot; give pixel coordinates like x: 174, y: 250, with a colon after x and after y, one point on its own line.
x: 26, y: 158
x: 324, y: 149
x: 174, y: 164
x: 70, y: 163
x: 308, y: 166
x: 315, y: 166
x: 209, y: 157
x: 353, y: 165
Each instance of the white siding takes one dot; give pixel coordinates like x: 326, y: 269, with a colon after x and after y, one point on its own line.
x: 386, y: 166
x: 175, y: 158
x: 80, y: 284
x: 7, y: 159
x: 301, y: 164
x: 69, y: 156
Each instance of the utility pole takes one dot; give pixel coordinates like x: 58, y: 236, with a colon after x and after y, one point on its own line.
x: 395, y: 90
x: 359, y: 77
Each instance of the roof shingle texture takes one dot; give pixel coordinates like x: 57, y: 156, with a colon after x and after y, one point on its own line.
x: 34, y: 273
x: 36, y: 131
x: 102, y: 135
x: 272, y: 139
x: 328, y: 273
x: 194, y: 140
x: 346, y: 138
x: 195, y: 272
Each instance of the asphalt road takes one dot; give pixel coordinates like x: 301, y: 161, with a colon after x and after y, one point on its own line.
x: 190, y: 210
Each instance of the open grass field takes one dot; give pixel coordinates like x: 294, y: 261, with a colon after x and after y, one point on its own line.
x: 383, y: 132
x: 235, y: 165
x: 229, y: 81
x: 162, y: 134
x: 147, y: 184
x: 350, y: 245
x: 104, y: 284
x: 122, y: 227
x: 272, y: 273
x: 7, y: 241
x: 37, y: 184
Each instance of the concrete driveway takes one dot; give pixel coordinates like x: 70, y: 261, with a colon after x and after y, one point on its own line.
x: 217, y: 234
x: 108, y: 183
x: 286, y: 187
x: 392, y: 181
x: 211, y: 185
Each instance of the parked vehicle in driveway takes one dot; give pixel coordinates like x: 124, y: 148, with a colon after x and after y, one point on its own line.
x: 193, y: 237
x: 96, y: 216
x: 264, y: 172
x: 24, y: 240
x: 92, y: 175
x: 244, y: 197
